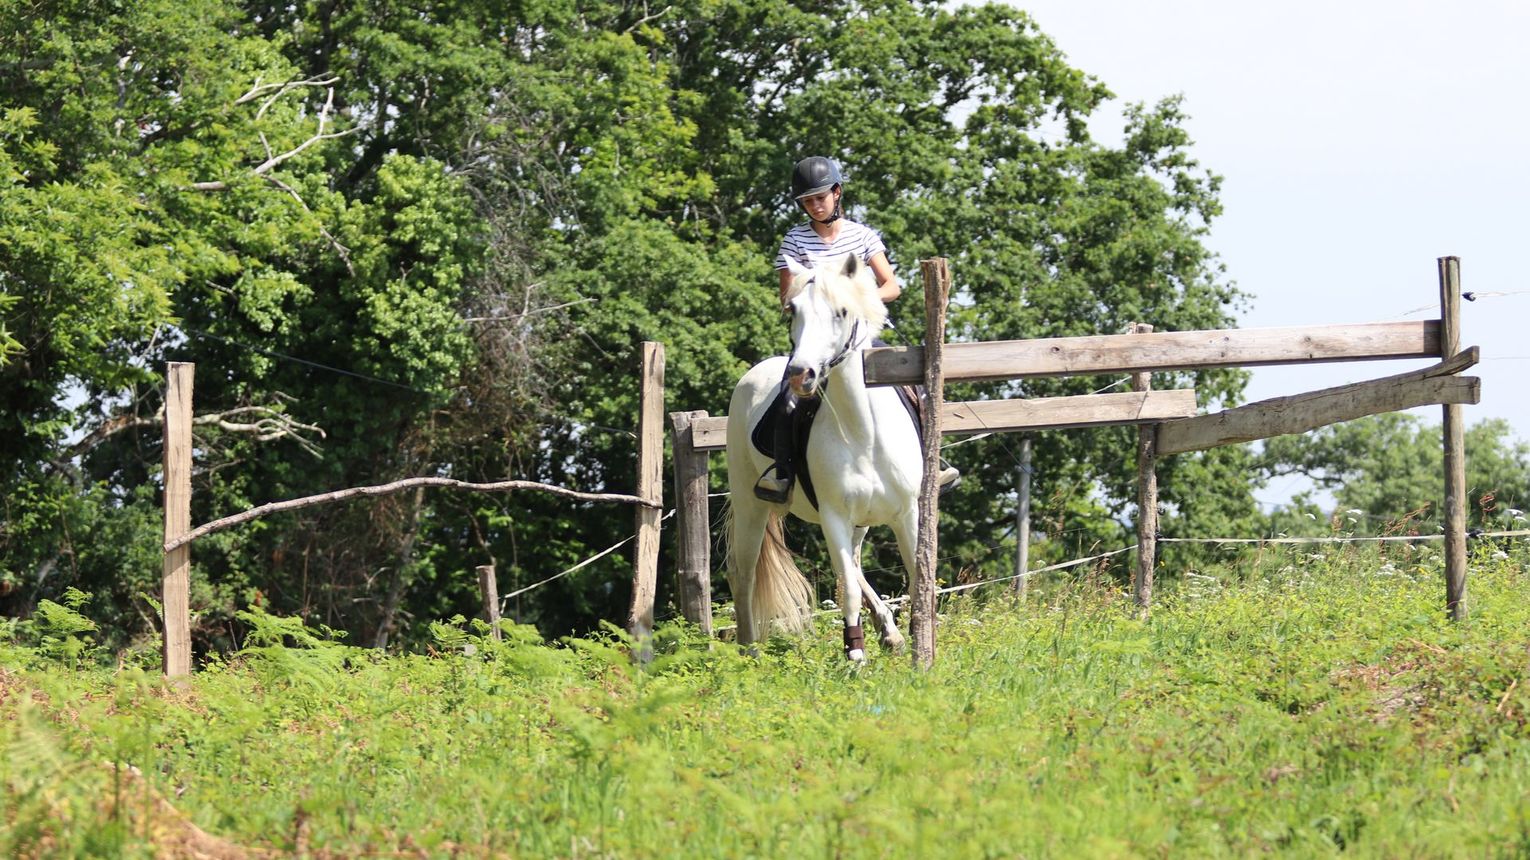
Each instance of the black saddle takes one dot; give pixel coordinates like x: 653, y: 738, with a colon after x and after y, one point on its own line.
x: 764, y: 437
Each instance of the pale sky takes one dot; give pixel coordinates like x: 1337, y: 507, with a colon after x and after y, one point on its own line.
x: 1358, y: 142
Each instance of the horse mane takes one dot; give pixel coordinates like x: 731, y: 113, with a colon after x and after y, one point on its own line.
x: 850, y: 287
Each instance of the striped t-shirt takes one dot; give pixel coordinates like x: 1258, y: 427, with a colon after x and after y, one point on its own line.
x: 809, y: 249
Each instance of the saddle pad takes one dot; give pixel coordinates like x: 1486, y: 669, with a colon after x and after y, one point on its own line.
x: 764, y: 437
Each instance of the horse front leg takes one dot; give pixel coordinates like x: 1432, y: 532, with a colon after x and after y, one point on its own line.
x: 906, y: 529
x: 841, y: 539
x: 881, y: 614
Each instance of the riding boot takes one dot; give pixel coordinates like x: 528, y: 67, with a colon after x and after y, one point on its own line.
x: 948, y: 477
x: 776, y: 484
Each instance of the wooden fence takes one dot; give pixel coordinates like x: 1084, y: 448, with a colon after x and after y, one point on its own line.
x: 1167, y: 419
x: 179, y: 535
x: 1167, y: 422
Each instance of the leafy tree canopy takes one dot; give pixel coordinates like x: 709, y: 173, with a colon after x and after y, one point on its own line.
x: 428, y: 238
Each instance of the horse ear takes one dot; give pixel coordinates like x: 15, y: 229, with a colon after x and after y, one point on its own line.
x: 852, y: 265
x: 794, y: 267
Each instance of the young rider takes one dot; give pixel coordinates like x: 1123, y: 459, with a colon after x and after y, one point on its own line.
x: 817, y: 186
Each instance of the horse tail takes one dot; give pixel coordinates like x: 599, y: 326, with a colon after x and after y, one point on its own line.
x: 781, y: 593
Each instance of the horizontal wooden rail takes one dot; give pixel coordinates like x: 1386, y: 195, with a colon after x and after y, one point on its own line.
x: 1299, y: 413
x: 990, y: 361
x: 710, y: 433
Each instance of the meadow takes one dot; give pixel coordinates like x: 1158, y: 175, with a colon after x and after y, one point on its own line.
x: 1302, y: 703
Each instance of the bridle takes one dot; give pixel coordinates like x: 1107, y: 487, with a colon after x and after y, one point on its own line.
x: 852, y: 343
x: 844, y: 351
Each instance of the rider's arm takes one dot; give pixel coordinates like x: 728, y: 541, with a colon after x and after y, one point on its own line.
x: 887, y: 283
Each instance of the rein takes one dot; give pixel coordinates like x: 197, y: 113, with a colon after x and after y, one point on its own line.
x: 844, y: 351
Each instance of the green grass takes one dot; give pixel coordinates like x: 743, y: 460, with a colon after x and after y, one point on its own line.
x: 1319, y: 704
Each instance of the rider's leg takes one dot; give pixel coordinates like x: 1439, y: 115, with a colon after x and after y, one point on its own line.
x: 948, y: 477
x: 776, y: 484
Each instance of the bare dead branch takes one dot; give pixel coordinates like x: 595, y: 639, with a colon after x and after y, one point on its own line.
x: 270, y: 424
x: 397, y: 487
x: 646, y: 18
x: 274, y: 159
x: 280, y: 89
x: 329, y: 103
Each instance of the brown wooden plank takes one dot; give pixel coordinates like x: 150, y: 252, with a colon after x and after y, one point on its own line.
x: 693, y: 529
x: 175, y: 588
x: 1300, y: 413
x: 488, y: 592
x: 710, y: 433
x: 650, y: 487
x: 1084, y: 410
x: 1147, y: 495
x: 921, y: 598
x: 1453, y: 437
x: 1159, y: 351
x: 999, y: 416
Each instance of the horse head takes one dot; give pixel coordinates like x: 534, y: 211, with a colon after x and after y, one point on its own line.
x: 835, y: 309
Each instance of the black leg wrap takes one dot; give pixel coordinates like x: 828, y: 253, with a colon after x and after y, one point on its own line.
x: 855, y: 639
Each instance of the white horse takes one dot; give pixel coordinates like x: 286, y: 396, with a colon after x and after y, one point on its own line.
x: 864, y: 457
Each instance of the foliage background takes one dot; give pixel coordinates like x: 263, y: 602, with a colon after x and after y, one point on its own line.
x: 427, y: 238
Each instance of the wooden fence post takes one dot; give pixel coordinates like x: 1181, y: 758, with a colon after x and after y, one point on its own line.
x: 1023, y: 521
x: 175, y: 588
x: 488, y: 589
x: 1455, y: 446
x: 694, y: 527
x: 650, y: 487
x: 937, y: 288
x: 1147, y: 496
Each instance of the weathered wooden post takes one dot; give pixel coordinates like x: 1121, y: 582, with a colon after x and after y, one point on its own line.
x: 1023, y: 520
x: 694, y: 526
x: 175, y: 588
x: 650, y: 488
x: 488, y: 589
x: 1147, y: 495
x: 1455, y: 445
x: 937, y: 288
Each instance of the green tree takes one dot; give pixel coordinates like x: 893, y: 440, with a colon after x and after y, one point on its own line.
x: 1389, y: 468
x: 436, y: 233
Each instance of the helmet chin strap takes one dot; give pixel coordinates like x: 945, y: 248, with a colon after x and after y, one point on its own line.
x: 835, y: 216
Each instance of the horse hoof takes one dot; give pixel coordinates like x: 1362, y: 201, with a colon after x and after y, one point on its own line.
x: 893, y: 643
x: 856, y: 656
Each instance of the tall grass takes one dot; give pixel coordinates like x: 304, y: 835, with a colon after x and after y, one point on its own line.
x: 1311, y: 704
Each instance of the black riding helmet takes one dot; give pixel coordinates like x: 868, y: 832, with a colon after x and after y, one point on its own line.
x: 815, y: 175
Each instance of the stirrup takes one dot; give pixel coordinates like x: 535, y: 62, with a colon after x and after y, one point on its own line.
x: 773, y: 488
